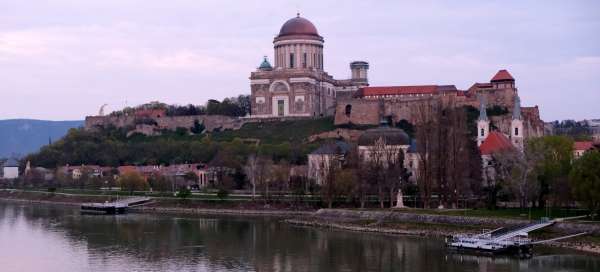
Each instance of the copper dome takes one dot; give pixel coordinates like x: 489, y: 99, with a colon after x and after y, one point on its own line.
x: 298, y: 26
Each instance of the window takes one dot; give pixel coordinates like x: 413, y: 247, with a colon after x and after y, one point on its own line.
x: 304, y: 60
x: 292, y: 60
x: 516, y: 131
x: 482, y: 132
x: 348, y: 110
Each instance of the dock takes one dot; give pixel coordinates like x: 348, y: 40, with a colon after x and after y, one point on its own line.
x: 116, y: 207
x: 513, y: 240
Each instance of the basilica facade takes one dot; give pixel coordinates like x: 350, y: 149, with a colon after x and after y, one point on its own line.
x: 297, y: 84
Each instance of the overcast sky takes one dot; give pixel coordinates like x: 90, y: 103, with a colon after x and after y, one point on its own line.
x: 63, y: 59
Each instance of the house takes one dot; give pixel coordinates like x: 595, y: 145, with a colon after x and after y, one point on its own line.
x: 581, y: 147
x: 319, y: 161
x: 77, y: 172
x: 10, y: 169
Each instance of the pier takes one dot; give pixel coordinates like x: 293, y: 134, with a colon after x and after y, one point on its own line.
x: 116, y: 207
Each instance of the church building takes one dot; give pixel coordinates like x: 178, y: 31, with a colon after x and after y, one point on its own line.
x: 297, y: 84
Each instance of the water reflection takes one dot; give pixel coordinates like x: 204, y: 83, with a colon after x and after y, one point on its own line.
x: 49, y: 238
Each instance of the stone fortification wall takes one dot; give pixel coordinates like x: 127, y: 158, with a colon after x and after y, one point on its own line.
x: 370, y: 111
x: 149, y: 125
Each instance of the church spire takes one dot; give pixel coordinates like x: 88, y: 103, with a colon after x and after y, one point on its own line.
x: 482, y: 108
x: 517, y: 108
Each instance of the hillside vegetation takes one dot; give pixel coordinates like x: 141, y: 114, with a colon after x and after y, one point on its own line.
x: 111, y: 146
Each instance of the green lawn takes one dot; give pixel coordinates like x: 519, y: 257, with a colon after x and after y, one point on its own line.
x: 512, y: 213
x: 277, y: 132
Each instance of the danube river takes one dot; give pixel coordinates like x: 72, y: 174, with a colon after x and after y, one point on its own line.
x: 56, y: 238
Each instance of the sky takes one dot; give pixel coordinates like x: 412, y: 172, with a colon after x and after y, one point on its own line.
x: 63, y: 59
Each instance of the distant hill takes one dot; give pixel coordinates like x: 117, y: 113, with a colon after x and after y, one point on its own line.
x: 22, y: 136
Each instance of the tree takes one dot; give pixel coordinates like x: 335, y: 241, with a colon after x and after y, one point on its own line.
x: 554, y: 167
x: 328, y: 168
x: 159, y: 183
x: 426, y: 138
x: 585, y: 180
x: 252, y: 172
x: 517, y: 171
x: 132, y: 181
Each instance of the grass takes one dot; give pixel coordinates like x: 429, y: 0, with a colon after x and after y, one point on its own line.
x: 277, y: 132
x: 508, y: 213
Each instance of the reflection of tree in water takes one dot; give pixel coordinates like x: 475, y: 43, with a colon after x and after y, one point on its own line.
x: 241, y: 244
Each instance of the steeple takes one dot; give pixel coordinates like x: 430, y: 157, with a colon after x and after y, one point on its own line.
x: 516, y: 125
x: 483, y: 123
x: 482, y: 109
x: 517, y: 108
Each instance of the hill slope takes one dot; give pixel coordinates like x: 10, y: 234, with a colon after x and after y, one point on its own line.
x: 22, y: 136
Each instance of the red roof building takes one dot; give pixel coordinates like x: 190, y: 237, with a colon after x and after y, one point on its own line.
x: 502, y: 75
x: 396, y: 91
x: 495, y: 142
x: 581, y: 147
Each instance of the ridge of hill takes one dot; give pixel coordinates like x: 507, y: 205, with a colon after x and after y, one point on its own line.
x: 19, y: 137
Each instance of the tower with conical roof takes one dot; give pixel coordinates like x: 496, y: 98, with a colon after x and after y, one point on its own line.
x: 483, y: 123
x: 516, y: 125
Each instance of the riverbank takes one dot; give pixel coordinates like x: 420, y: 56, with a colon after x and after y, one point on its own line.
x: 394, y: 222
x: 406, y: 222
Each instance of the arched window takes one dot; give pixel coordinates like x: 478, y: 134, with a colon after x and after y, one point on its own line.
x: 348, y: 110
x: 516, y: 131
x: 482, y: 132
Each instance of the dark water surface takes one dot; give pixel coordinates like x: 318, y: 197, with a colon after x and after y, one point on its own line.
x: 54, y: 238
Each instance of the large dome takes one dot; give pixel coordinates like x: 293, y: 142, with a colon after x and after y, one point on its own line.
x: 298, y: 26
x: 391, y: 136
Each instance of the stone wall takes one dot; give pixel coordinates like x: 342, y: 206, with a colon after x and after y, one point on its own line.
x: 211, y: 122
x: 566, y: 227
x: 350, y: 135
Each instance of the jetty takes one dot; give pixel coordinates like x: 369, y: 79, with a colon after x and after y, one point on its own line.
x: 116, y: 207
x: 513, y: 240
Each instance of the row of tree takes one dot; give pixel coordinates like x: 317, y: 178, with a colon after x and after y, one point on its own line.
x: 231, y: 106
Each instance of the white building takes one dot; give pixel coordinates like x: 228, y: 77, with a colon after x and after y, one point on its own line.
x: 10, y: 169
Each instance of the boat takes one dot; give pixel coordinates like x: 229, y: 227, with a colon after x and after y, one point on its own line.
x: 511, y: 241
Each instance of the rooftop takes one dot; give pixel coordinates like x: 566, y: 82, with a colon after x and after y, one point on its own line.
x: 502, y: 75
x: 495, y: 142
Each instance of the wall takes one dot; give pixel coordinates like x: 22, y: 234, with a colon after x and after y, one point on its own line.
x: 211, y: 122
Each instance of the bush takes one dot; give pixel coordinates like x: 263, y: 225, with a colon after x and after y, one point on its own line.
x: 222, y: 193
x: 184, y: 193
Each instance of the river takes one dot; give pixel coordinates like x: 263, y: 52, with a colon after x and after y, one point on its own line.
x: 58, y: 238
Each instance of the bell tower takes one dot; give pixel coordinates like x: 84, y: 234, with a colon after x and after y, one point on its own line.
x: 483, y: 123
x: 516, y: 125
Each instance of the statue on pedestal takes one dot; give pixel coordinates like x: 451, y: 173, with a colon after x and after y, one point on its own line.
x: 399, y: 201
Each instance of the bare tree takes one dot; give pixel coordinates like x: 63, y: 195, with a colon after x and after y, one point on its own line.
x: 426, y: 137
x: 252, y: 172
x: 327, y: 170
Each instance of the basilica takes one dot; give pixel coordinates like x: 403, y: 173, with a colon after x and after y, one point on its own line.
x: 297, y: 84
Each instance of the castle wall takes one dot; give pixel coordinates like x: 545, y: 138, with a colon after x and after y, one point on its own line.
x: 211, y: 122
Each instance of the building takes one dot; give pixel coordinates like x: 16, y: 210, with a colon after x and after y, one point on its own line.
x: 297, y: 84
x: 320, y: 160
x: 369, y: 104
x: 579, y: 148
x: 383, y: 144
x: 491, y: 142
x: 10, y: 169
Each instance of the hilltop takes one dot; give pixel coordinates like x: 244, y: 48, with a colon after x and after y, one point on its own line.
x: 23, y: 136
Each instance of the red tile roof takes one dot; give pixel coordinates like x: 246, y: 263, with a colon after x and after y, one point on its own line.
x: 501, y: 76
x: 396, y: 90
x: 495, y: 142
x: 583, y: 145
